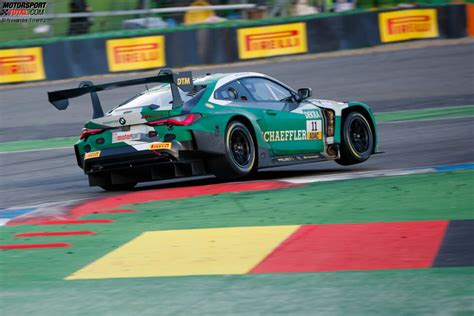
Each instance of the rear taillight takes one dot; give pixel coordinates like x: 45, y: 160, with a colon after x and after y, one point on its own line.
x: 88, y: 132
x: 180, y: 120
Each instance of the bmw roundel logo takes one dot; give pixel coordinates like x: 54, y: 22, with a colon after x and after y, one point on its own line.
x: 122, y: 121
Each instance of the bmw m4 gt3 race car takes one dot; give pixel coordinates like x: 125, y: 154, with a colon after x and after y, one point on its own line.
x: 229, y: 125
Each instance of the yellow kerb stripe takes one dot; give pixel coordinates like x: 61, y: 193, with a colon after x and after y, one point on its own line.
x: 188, y: 252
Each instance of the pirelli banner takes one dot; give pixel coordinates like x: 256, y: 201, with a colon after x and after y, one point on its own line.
x: 273, y: 40
x: 405, y: 25
x: 21, y: 65
x: 136, y: 53
x: 204, y: 46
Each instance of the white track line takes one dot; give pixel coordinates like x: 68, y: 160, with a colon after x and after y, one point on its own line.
x: 357, y: 175
x: 4, y: 221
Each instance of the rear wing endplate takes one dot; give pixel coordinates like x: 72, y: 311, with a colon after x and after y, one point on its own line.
x: 182, y: 80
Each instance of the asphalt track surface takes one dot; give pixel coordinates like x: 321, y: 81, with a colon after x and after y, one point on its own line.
x: 390, y: 81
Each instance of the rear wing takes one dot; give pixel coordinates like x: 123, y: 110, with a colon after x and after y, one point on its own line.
x: 182, y: 80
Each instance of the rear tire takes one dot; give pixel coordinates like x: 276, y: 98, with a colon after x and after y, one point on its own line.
x: 240, y: 153
x: 357, y: 143
x: 118, y: 187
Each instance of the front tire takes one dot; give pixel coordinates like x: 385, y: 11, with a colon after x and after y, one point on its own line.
x: 357, y: 142
x: 240, y: 154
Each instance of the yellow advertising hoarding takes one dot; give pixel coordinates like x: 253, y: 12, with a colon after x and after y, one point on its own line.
x: 265, y: 41
x: 21, y: 64
x: 408, y: 24
x: 136, y: 53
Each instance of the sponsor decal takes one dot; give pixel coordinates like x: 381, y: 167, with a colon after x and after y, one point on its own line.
x: 124, y: 136
x: 311, y: 157
x: 311, y: 114
x: 265, y: 41
x: 92, y: 154
x: 408, y: 24
x: 292, y: 135
x: 297, y: 158
x: 156, y: 146
x: 136, y: 53
x: 21, y: 64
x: 183, y: 81
x: 285, y: 159
x: 314, y: 130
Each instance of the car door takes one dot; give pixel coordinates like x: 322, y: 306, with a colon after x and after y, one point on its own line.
x: 290, y: 127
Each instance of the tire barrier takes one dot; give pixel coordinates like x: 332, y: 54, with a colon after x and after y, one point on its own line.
x: 215, y: 45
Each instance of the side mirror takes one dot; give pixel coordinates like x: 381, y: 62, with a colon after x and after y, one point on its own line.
x: 304, y: 93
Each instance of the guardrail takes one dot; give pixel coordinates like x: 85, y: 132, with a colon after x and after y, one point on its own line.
x: 215, y: 45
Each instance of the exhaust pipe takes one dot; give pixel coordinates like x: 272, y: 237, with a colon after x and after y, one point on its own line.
x: 332, y: 150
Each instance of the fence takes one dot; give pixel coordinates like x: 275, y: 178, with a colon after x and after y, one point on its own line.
x: 112, y: 15
x: 152, y: 49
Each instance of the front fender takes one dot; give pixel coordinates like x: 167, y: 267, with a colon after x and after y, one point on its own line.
x: 340, y: 108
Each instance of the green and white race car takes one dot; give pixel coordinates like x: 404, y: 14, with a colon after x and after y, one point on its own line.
x: 229, y: 125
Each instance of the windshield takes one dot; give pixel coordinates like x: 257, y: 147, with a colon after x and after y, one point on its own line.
x: 157, y: 98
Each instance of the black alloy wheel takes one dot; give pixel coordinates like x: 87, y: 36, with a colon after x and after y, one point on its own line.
x: 241, y: 149
x: 240, y: 158
x: 357, y: 143
x: 359, y: 135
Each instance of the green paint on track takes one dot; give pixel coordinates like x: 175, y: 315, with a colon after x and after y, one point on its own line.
x: 426, y: 114
x: 440, y: 196
x: 401, y: 292
x: 38, y: 274
x: 382, y: 117
x: 36, y: 144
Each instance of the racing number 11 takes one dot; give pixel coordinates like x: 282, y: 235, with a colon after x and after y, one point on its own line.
x: 313, y: 130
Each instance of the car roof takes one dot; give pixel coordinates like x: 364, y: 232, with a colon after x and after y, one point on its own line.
x: 212, y: 78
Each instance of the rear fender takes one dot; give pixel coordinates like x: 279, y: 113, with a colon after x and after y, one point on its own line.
x: 209, y: 132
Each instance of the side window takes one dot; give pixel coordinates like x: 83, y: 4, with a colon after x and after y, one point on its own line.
x: 232, y: 92
x: 266, y: 90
